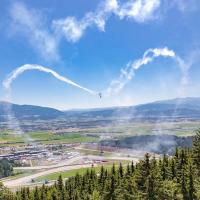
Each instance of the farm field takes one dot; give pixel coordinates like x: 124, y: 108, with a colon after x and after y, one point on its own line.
x: 185, y: 128
x: 44, y: 137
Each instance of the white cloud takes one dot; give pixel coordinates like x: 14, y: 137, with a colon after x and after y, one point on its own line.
x: 72, y: 29
x: 138, y: 10
x: 29, y: 22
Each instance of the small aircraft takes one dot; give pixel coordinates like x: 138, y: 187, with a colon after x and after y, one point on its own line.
x: 100, y: 95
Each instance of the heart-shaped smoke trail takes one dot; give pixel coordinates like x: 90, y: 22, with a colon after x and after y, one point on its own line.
x: 115, y: 86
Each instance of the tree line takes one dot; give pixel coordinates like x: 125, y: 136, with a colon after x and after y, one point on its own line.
x: 6, y: 168
x: 168, y: 178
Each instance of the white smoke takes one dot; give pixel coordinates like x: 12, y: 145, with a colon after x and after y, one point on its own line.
x: 128, y: 72
x: 185, y: 66
x: 138, y: 10
x: 30, y: 22
x: 46, y: 39
x: 7, y: 83
x: 73, y: 29
x: 12, y: 121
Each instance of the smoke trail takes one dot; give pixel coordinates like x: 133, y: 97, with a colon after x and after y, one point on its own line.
x: 184, y: 67
x: 138, y: 10
x: 7, y: 83
x: 12, y: 121
x: 128, y: 72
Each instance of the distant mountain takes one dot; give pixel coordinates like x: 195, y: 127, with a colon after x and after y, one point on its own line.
x: 177, y: 108
x: 28, y: 111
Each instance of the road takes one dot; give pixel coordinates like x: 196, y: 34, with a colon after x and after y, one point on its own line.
x: 27, y: 180
x: 64, y: 166
x: 61, y: 164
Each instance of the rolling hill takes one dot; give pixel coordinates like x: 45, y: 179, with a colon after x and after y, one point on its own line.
x: 28, y: 111
x: 177, y: 108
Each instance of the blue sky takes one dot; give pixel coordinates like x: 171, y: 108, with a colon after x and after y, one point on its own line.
x: 90, y: 42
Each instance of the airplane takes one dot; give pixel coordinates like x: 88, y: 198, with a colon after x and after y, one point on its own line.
x: 100, y: 95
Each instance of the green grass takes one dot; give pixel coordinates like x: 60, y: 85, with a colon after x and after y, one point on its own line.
x: 66, y: 174
x: 118, y: 131
x: 70, y: 173
x: 94, y: 152
x: 19, y: 174
x: 9, y: 137
x: 147, y: 128
x: 45, y: 137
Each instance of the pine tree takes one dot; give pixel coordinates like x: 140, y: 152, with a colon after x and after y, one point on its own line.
x: 183, y: 158
x: 196, y: 150
x: 184, y: 188
x: 28, y: 192
x: 132, y: 167
x: 36, y: 194
x: 112, y: 188
x: 101, y: 176
x: 120, y: 170
x: 23, y: 194
x: 113, y: 171
x: 176, y: 153
x: 192, y: 195
x: 147, y: 164
x: 69, y: 188
x: 43, y: 193
x: 151, y: 192
x: 95, y: 196
x: 60, y: 183
x: 54, y: 196
x: 101, y: 179
x: 173, y: 169
x: 165, y: 168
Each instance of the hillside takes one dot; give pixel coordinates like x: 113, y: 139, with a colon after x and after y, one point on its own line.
x: 28, y: 111
x: 188, y: 108
x: 176, y: 108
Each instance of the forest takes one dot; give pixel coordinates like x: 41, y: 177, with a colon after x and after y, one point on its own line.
x: 170, y: 177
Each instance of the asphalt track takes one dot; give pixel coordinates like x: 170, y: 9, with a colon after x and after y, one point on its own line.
x: 63, y: 166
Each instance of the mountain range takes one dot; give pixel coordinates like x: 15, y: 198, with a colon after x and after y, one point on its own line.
x: 177, y: 108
